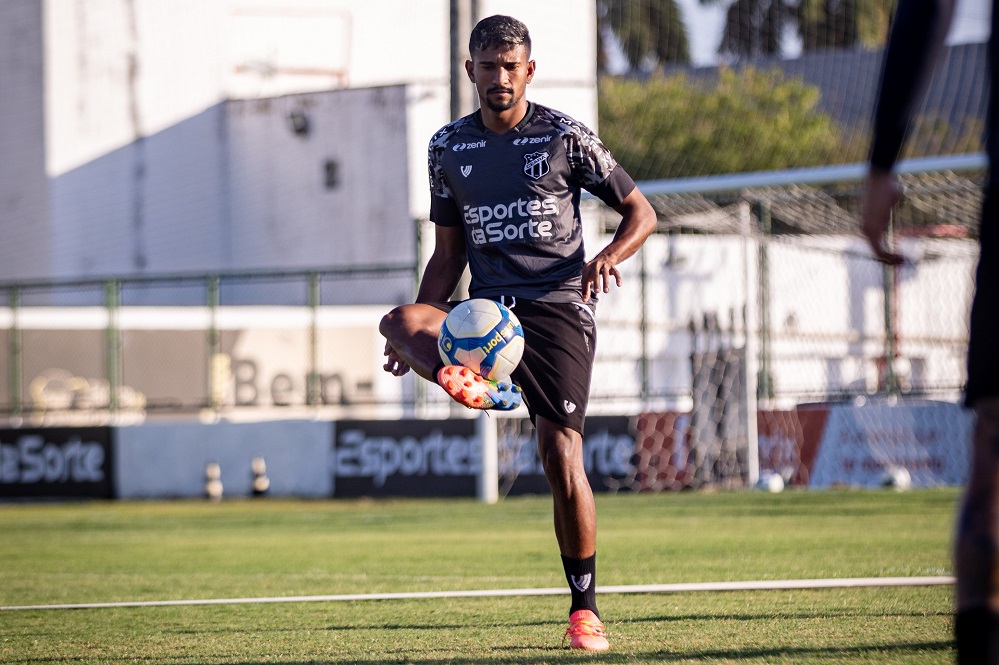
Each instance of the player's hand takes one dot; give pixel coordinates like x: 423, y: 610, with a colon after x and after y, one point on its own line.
x: 395, y: 365
x: 882, y: 191
x: 597, y: 275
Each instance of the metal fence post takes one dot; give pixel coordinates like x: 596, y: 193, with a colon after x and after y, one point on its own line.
x: 644, y: 321
x: 313, y: 394
x: 764, y: 383
x: 16, y: 360
x: 215, y: 390
x: 112, y: 351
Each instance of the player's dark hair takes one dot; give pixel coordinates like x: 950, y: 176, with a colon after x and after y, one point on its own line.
x: 497, y: 31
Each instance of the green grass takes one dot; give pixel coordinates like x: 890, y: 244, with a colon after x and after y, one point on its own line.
x: 125, y: 551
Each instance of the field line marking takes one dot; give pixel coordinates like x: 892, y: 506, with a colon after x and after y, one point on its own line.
x: 763, y: 585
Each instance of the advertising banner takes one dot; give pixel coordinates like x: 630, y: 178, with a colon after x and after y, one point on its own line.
x: 56, y: 463
x: 843, y: 445
x: 860, y: 445
x: 405, y: 458
x: 608, y: 456
x: 444, y: 457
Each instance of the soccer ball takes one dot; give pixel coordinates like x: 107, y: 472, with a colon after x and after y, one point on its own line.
x: 771, y: 482
x: 896, y: 478
x: 484, y: 336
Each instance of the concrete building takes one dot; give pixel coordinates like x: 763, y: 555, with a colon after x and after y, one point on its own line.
x: 160, y: 136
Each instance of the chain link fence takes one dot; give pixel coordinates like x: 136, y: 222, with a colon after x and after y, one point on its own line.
x: 750, y: 305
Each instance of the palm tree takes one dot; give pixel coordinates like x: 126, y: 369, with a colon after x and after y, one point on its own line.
x: 844, y: 23
x: 650, y: 32
x: 754, y: 27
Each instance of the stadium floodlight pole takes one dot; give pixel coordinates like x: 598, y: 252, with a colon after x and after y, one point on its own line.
x: 463, y: 16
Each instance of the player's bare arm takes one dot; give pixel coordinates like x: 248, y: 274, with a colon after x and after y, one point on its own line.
x: 440, y: 279
x: 445, y: 266
x: 917, y: 36
x: 638, y: 221
x: 882, y: 191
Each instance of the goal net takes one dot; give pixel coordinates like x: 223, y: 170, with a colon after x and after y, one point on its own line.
x: 755, y: 325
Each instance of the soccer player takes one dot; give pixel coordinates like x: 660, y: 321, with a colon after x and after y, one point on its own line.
x: 505, y: 185
x: 916, y: 38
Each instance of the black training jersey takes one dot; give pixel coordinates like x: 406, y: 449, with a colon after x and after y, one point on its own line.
x: 517, y: 197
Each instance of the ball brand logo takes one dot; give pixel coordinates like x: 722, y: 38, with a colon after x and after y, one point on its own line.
x: 458, y: 147
x: 493, y: 341
x: 532, y: 140
x: 446, y: 344
x: 537, y: 164
x: 504, y: 333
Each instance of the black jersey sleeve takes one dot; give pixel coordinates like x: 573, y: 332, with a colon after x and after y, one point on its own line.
x: 615, y: 188
x: 907, y: 64
x: 444, y: 211
x: 593, y: 166
x: 443, y: 208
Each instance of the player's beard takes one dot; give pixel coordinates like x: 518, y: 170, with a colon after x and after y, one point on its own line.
x: 498, y: 106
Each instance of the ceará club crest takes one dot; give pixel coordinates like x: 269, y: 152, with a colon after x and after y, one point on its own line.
x: 536, y: 165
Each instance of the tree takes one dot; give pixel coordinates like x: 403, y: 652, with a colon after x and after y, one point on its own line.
x: 673, y: 127
x: 756, y: 27
x: 650, y: 32
x: 843, y: 23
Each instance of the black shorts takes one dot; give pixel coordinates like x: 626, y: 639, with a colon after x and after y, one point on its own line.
x: 560, y: 341
x: 983, y: 338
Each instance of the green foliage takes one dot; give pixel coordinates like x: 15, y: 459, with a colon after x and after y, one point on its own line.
x: 672, y: 127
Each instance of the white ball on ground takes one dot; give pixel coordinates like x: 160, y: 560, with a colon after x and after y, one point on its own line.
x: 770, y: 482
x: 896, y: 478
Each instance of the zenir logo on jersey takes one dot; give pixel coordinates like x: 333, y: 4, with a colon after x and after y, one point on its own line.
x: 536, y: 164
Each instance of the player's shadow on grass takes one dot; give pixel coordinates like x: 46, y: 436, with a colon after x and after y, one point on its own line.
x: 683, y: 618
x: 890, y: 649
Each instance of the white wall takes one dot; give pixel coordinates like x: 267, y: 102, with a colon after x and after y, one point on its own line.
x: 564, y: 41
x: 157, y: 461
x: 118, y: 135
x: 155, y: 204
x: 119, y: 69
x: 285, y: 216
x: 24, y: 214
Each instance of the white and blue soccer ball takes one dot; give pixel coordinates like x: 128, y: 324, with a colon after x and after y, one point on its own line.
x: 484, y: 336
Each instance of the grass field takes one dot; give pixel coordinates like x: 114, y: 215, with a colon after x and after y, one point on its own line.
x: 143, y: 551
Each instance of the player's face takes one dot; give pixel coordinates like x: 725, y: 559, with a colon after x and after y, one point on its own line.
x: 501, y: 76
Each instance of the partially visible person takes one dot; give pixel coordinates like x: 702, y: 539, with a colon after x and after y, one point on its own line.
x: 916, y: 39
